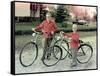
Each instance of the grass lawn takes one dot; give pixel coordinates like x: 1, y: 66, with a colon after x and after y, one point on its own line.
x: 29, y: 26
x: 26, y: 26
x: 21, y: 40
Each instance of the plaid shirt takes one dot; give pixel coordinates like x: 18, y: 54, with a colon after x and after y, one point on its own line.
x: 74, y: 39
x: 47, y: 28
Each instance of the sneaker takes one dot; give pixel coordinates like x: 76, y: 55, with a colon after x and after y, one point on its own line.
x: 48, y: 56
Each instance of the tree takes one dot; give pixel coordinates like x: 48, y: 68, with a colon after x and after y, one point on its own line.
x: 62, y: 14
x: 43, y: 14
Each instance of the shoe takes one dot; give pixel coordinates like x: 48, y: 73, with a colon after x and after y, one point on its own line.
x: 48, y: 56
x: 73, y: 64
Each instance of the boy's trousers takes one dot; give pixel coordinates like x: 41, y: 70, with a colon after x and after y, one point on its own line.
x: 46, y: 43
x: 74, y: 54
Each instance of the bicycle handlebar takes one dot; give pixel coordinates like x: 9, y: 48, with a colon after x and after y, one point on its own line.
x: 38, y: 32
x: 61, y: 32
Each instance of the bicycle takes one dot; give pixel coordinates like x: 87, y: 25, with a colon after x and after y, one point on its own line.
x: 29, y: 52
x: 84, y: 53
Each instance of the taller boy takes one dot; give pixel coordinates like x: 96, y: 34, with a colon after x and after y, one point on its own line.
x: 48, y: 27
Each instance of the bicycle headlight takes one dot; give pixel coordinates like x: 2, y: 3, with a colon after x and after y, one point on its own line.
x: 33, y: 34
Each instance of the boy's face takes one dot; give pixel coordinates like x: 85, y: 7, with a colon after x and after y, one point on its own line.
x: 48, y: 18
x: 74, y: 28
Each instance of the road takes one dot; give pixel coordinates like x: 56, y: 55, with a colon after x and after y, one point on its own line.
x: 63, y: 65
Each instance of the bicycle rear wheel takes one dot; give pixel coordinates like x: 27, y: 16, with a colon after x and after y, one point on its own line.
x: 64, y: 46
x: 84, y: 53
x: 28, y: 54
x: 52, y: 60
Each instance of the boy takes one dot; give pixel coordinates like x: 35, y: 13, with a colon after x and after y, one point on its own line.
x: 74, y: 44
x: 48, y: 27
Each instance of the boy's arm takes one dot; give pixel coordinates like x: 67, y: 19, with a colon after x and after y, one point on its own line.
x: 54, y: 27
x: 40, y: 26
x: 68, y: 35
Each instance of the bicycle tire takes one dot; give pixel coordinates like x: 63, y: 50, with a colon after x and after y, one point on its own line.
x: 49, y: 65
x: 84, y: 53
x: 23, y: 51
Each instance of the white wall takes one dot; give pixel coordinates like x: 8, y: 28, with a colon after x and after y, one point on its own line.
x: 22, y: 9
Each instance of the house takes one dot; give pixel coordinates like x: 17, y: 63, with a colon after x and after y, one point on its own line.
x: 25, y: 12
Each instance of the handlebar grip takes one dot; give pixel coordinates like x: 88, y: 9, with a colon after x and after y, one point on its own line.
x: 38, y: 32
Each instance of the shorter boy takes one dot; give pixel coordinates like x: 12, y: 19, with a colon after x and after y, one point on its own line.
x: 74, y: 43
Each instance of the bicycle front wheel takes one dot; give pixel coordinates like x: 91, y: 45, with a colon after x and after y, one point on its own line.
x: 84, y: 53
x: 64, y: 46
x: 52, y: 60
x: 28, y: 54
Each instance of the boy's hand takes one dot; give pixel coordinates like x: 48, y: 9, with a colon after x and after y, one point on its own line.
x: 43, y: 31
x: 52, y: 32
x: 70, y: 38
x: 33, y: 29
x: 65, y: 37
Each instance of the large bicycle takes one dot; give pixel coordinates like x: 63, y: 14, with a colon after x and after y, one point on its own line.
x: 29, y: 52
x: 84, y: 53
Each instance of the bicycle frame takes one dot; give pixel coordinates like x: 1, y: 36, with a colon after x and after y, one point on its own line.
x: 53, y: 41
x: 61, y: 38
x: 36, y: 34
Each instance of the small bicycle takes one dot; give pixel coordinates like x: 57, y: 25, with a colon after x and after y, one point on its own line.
x: 29, y: 52
x: 84, y: 53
